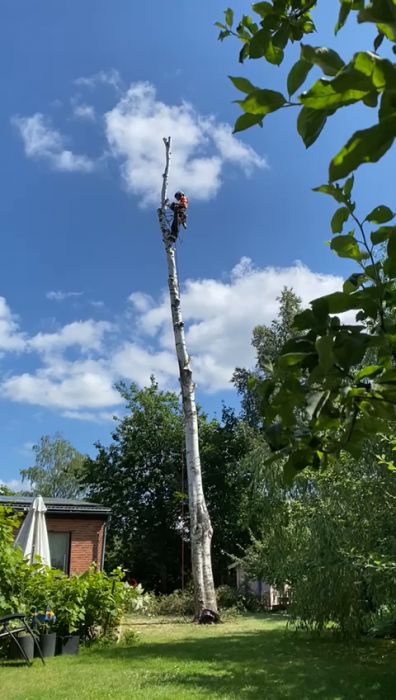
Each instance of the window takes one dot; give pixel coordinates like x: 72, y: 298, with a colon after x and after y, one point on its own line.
x: 59, y: 543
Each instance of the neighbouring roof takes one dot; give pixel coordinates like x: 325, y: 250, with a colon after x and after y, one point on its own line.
x: 56, y: 506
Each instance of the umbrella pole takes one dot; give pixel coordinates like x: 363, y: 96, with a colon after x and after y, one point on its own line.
x: 34, y: 538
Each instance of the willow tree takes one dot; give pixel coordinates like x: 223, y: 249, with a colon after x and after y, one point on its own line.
x: 200, y: 526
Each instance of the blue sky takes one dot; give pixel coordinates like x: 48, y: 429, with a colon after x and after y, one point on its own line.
x: 88, y: 91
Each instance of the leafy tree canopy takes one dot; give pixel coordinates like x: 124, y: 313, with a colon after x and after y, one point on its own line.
x: 58, y: 469
x: 5, y: 491
x: 267, y: 342
x: 331, y: 537
x: 13, y: 568
x: 141, y: 475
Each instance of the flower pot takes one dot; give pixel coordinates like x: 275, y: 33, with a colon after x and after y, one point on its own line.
x: 68, y: 645
x: 48, y: 644
x: 27, y: 644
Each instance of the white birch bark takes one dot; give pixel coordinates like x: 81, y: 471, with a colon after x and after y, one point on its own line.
x: 200, y: 525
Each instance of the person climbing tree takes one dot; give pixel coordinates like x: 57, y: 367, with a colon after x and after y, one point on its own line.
x: 179, y: 208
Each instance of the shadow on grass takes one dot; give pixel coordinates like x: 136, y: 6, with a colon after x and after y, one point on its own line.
x: 271, y: 663
x: 12, y: 663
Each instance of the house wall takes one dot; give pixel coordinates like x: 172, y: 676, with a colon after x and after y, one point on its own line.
x: 86, y: 540
x: 262, y: 590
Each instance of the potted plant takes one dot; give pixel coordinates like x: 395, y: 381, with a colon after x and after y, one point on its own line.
x: 70, y: 614
x: 44, y: 624
x: 26, y: 642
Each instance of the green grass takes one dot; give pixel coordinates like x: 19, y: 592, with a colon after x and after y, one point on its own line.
x: 250, y: 657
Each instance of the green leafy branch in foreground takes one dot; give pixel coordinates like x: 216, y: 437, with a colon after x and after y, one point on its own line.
x: 367, y: 78
x: 334, y: 383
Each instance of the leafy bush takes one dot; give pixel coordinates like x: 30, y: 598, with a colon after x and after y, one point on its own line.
x: 227, y: 597
x: 69, y: 605
x: 93, y: 603
x: 230, y: 614
x: 90, y: 604
x: 136, y: 600
x: 130, y: 637
x: 14, y: 571
x: 383, y: 623
x: 181, y: 603
x: 331, y: 538
x: 40, y: 589
x: 178, y: 603
x: 248, y: 602
x: 103, y: 600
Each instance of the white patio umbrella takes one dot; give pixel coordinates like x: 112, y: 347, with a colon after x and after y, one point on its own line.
x: 33, y: 535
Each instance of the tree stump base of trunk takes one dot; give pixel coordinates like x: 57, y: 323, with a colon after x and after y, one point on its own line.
x: 208, y: 617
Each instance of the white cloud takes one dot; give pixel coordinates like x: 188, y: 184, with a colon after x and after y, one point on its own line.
x: 78, y: 365
x: 43, y: 142
x: 134, y: 129
x: 61, y: 296
x: 233, y: 150
x: 14, y: 485
x: 66, y: 385
x: 242, y: 268
x: 90, y: 417
x: 85, y: 112
x: 140, y: 301
x: 87, y: 335
x: 137, y: 363
x: 10, y: 336
x: 220, y: 316
x: 104, y: 77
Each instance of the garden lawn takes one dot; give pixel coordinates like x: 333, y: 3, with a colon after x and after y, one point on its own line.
x: 249, y: 657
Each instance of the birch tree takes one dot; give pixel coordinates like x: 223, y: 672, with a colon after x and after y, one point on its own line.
x: 200, y: 525
x: 58, y: 469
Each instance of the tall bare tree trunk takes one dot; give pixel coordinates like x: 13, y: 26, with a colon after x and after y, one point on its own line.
x: 200, y: 525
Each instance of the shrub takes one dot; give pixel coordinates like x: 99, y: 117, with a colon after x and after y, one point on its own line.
x: 181, y: 603
x: 14, y: 571
x: 229, y: 614
x: 136, y: 600
x: 227, y: 597
x: 178, y: 603
x: 248, y: 602
x: 40, y: 589
x: 383, y: 623
x: 90, y: 604
x: 103, y: 600
x: 130, y: 638
x: 69, y: 605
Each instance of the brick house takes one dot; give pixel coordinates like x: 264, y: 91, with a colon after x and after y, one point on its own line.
x: 76, y: 531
